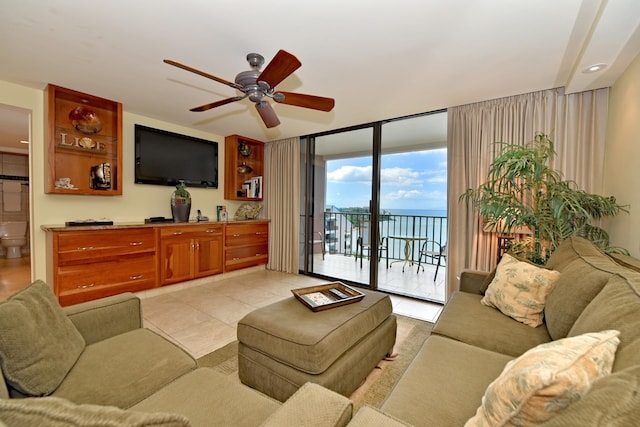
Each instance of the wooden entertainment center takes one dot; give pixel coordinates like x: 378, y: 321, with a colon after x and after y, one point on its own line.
x: 89, y: 262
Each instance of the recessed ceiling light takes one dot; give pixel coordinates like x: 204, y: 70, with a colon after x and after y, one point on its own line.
x: 593, y: 68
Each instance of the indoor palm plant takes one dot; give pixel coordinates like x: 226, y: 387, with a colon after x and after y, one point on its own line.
x: 523, y: 192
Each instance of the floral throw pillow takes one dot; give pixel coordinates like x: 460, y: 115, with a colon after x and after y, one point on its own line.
x: 546, y: 379
x: 519, y: 290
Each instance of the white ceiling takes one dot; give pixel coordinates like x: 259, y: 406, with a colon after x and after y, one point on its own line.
x: 378, y: 59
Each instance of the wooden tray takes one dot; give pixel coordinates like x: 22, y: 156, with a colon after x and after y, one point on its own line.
x: 324, y: 297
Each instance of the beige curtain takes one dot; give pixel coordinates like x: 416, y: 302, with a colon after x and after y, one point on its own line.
x: 576, y: 124
x: 282, y: 203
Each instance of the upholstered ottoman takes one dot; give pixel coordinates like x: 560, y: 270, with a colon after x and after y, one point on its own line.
x: 284, y: 345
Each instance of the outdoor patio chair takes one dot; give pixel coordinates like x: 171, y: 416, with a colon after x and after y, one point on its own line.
x: 382, y: 246
x: 432, y: 250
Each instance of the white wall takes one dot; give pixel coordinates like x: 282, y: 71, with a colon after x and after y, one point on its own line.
x: 138, y: 201
x: 622, y: 158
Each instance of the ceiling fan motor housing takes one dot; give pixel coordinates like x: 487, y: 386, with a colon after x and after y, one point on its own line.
x: 247, y: 79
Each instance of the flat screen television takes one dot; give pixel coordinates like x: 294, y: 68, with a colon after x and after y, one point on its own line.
x: 166, y: 158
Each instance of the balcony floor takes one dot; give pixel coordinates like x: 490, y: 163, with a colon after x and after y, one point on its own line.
x: 419, y: 285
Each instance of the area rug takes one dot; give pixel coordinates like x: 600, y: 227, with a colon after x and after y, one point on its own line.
x: 410, y: 336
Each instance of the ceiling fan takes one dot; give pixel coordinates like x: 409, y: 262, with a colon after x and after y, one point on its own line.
x: 258, y: 86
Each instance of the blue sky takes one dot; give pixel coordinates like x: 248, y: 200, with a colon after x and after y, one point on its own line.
x: 415, y: 180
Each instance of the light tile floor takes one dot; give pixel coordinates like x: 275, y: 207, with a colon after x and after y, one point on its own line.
x: 202, y: 315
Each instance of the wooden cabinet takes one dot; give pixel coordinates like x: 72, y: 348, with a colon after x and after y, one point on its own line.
x: 89, y: 264
x: 244, y: 160
x: 190, y: 251
x: 85, y: 263
x: 246, y: 244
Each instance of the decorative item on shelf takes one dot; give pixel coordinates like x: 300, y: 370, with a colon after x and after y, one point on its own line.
x: 100, y: 177
x: 65, y: 183
x: 222, y: 213
x: 85, y: 120
x: 245, y: 149
x: 244, y: 168
x: 180, y: 203
x: 248, y: 211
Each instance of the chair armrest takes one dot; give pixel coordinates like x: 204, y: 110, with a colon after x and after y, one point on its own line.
x: 106, y: 317
x: 471, y: 281
x: 312, y: 405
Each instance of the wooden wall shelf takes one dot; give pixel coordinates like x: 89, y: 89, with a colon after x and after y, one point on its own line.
x: 84, y: 137
x: 252, y: 157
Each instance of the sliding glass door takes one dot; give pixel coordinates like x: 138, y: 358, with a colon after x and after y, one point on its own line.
x: 375, y: 206
x: 338, y: 176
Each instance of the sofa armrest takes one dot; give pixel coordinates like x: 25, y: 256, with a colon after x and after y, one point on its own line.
x: 471, y: 281
x: 312, y: 405
x: 368, y: 416
x: 106, y: 317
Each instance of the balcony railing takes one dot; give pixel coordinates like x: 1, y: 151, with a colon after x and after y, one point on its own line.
x: 342, y: 229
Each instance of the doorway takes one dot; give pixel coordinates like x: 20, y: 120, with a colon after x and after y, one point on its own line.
x: 15, y: 195
x: 373, y: 196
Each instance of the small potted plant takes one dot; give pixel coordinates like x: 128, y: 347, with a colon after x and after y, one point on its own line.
x: 180, y: 203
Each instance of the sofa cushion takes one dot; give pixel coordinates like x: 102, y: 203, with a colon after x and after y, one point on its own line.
x: 617, y: 306
x: 612, y: 401
x: 208, y: 398
x: 57, y: 412
x: 444, y: 383
x: 519, y: 290
x: 38, y: 343
x: 546, y: 379
x: 465, y: 319
x: 584, y: 271
x: 122, y: 370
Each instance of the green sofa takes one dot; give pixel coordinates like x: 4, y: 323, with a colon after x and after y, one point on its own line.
x: 472, y: 343
x: 129, y: 374
x: 94, y: 364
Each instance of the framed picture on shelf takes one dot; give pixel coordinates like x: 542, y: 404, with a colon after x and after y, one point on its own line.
x: 84, y: 137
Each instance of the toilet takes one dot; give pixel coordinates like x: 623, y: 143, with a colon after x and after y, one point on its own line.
x: 13, y: 236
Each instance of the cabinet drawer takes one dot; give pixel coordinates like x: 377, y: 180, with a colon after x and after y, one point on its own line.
x: 246, y: 256
x: 191, y: 231
x: 73, y: 246
x: 247, y: 234
x: 78, y: 278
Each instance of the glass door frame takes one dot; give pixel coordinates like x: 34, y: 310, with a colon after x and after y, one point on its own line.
x: 374, y: 208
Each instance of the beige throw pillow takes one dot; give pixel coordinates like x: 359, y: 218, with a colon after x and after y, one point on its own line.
x: 38, y: 343
x: 519, y: 290
x: 546, y: 379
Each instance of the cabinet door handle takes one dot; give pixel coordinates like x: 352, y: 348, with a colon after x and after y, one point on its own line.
x: 90, y: 285
x: 136, y: 243
x: 236, y: 258
x: 259, y: 233
x: 210, y: 230
x: 236, y: 235
x: 177, y: 233
x: 138, y: 277
x: 258, y: 254
x: 85, y: 248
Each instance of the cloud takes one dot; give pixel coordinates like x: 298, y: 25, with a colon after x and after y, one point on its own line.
x: 351, y: 174
x: 416, y: 195
x: 400, y: 177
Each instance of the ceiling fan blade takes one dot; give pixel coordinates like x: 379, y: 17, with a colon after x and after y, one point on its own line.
x: 202, y: 73
x: 211, y: 105
x: 307, y: 101
x: 280, y: 67
x: 267, y: 113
